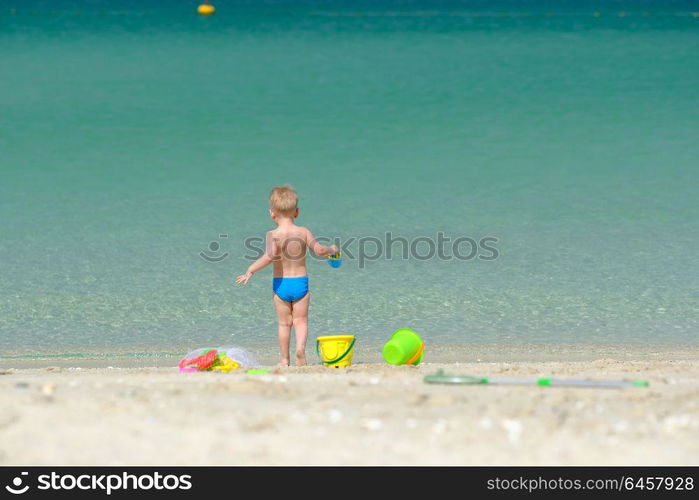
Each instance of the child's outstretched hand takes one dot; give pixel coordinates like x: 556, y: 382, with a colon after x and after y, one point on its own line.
x: 243, y: 278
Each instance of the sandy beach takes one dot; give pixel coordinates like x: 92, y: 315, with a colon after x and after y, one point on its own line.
x: 370, y: 413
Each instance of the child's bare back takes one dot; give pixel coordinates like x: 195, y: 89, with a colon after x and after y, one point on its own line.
x: 288, y: 244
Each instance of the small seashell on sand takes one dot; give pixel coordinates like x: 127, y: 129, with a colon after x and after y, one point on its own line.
x: 485, y: 423
x: 48, y: 389
x: 513, y: 428
x: 335, y: 416
x: 373, y: 424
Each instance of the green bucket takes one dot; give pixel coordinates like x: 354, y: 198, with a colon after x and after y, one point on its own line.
x: 405, y: 348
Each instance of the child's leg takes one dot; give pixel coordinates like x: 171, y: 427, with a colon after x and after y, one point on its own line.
x: 284, y: 318
x: 300, y: 320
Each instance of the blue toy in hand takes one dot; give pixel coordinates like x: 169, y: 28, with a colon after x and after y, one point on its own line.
x: 335, y: 260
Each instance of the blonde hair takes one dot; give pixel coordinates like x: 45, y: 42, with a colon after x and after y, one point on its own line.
x: 283, y: 200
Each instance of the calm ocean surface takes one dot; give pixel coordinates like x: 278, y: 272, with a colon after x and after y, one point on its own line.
x: 133, y: 134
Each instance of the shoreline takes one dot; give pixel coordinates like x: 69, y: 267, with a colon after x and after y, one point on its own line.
x: 442, y: 353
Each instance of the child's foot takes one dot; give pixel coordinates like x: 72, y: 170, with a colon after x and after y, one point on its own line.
x: 284, y: 363
x: 300, y: 360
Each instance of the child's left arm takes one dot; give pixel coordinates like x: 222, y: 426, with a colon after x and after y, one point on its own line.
x: 317, y: 248
x: 267, y: 258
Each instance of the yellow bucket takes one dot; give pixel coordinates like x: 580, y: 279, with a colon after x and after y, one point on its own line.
x: 336, y: 350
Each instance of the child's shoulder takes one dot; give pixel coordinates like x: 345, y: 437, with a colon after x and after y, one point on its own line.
x: 301, y: 231
x: 294, y: 230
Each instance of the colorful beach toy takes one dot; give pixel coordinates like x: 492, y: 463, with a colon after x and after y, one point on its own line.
x: 198, y: 360
x: 336, y: 350
x: 224, y: 364
x: 223, y: 359
x: 257, y: 371
x: 405, y: 348
x: 442, y: 378
x: 335, y: 260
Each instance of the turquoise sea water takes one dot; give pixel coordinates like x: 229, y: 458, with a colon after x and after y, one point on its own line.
x: 133, y: 134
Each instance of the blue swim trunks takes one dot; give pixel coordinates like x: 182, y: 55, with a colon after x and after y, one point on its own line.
x: 290, y: 289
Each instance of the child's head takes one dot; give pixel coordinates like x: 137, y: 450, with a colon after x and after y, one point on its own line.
x: 283, y: 202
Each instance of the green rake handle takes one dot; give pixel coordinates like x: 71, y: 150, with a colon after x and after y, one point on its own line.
x: 442, y: 378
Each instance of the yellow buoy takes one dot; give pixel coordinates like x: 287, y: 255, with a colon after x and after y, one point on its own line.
x: 206, y: 9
